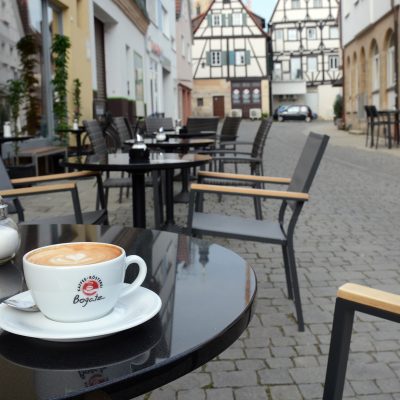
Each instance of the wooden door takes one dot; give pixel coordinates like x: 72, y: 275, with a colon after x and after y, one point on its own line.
x: 246, y: 95
x: 219, y: 106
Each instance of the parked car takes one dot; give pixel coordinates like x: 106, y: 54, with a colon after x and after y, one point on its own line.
x: 294, y: 112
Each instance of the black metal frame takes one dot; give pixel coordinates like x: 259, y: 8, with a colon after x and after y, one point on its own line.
x: 340, y: 343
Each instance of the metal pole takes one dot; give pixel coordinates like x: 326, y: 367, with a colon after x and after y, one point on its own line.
x: 46, y: 74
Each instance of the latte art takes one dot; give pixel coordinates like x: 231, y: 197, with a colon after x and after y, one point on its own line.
x: 74, y: 254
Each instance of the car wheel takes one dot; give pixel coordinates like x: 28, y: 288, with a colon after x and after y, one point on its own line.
x: 280, y: 118
x: 308, y: 119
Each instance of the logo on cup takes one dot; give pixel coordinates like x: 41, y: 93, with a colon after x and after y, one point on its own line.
x: 89, y: 286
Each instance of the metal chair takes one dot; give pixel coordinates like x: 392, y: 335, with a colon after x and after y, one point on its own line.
x: 377, y: 121
x: 153, y: 124
x: 278, y: 231
x: 351, y: 298
x: 202, y: 124
x: 12, y: 194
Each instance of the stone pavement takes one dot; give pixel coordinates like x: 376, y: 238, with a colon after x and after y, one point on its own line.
x: 349, y: 231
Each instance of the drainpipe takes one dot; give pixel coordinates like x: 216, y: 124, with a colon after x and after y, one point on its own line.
x: 396, y: 66
x: 343, y: 65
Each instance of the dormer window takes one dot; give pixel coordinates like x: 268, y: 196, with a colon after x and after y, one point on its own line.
x: 237, y: 19
x: 216, y: 20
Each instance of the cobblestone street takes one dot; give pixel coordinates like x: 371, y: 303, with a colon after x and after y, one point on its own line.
x: 348, y: 232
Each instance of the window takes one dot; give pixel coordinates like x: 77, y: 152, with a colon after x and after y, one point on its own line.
x: 277, y: 74
x: 334, y: 32
x: 216, y: 20
x: 390, y: 63
x: 165, y: 22
x: 295, y: 68
x: 215, y: 58
x: 317, y: 3
x: 200, y: 102
x: 295, y: 3
x: 311, y: 33
x: 240, y: 57
x: 375, y: 68
x: 237, y: 19
x: 333, y: 62
x: 292, y: 34
x: 312, y: 64
x: 293, y: 110
x: 183, y: 47
x: 189, y: 52
x: 279, y: 34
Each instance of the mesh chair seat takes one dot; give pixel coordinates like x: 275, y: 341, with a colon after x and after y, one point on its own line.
x: 240, y: 228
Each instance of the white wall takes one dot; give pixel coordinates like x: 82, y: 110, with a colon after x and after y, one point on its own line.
x: 119, y: 33
x: 356, y: 16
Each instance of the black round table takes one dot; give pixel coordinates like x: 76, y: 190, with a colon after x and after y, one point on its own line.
x: 175, y: 144
x: 207, y: 294
x: 158, y: 161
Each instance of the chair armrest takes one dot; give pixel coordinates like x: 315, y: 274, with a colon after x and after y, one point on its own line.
x: 272, y: 194
x: 233, y: 160
x: 54, y: 177
x: 62, y: 187
x: 242, y: 177
x: 370, y: 297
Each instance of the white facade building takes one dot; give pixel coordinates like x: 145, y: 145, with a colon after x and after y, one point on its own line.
x: 134, y: 63
x: 229, y: 60
x: 306, y: 57
x: 161, y: 56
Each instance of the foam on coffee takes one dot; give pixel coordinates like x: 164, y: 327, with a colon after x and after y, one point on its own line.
x: 74, y: 254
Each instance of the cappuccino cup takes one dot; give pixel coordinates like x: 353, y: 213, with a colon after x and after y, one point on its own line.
x: 75, y: 282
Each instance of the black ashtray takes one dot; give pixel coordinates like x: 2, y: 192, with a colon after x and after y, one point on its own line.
x: 139, y: 155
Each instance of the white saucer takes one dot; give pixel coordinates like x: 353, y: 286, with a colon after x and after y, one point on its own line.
x: 131, y: 310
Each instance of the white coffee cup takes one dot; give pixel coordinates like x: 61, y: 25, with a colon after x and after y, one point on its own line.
x: 82, y: 281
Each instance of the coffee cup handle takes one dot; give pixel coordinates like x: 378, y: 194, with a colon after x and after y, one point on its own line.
x: 142, y: 273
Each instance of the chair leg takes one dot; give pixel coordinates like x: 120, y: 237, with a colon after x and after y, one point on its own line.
x: 339, y: 350
x: 295, y: 286
x: 287, y: 271
x: 106, y: 196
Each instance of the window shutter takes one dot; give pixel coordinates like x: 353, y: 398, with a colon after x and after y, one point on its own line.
x: 225, y: 20
x: 244, y: 19
x: 209, y: 19
x: 230, y: 23
x: 247, y: 57
x: 224, y: 58
x: 208, y: 58
x: 231, y: 58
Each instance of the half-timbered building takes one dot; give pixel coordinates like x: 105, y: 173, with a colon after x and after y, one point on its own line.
x: 306, y: 58
x: 229, y: 61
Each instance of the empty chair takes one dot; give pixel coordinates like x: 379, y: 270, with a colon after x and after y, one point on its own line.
x: 8, y: 191
x: 153, y: 124
x: 351, y: 298
x: 279, y: 231
x: 377, y: 121
x: 122, y: 127
x: 202, y: 124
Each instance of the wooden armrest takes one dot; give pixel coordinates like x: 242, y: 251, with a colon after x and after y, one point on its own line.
x: 370, y: 297
x: 54, y: 177
x: 38, y: 190
x: 273, y: 194
x: 242, y: 177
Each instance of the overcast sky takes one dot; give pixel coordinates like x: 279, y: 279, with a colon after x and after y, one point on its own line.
x: 263, y: 8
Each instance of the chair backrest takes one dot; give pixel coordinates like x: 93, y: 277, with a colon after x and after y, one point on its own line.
x: 198, y: 124
x: 96, y: 136
x: 230, y: 128
x: 308, y: 163
x: 261, y: 137
x: 121, y: 125
x: 153, y: 124
x: 367, y: 111
x: 373, y: 112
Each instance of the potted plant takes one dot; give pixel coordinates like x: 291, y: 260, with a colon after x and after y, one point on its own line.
x: 28, y: 54
x: 338, y: 112
x: 76, y: 98
x: 59, y: 50
x: 15, y: 96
